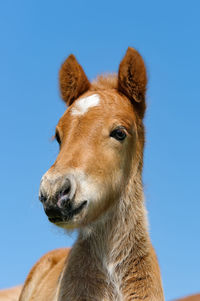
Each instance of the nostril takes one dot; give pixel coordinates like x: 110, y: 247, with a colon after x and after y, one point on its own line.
x: 66, y: 191
x: 42, y: 198
x: 64, y: 202
x: 64, y: 195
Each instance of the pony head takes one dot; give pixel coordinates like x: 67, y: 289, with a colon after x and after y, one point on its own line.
x: 101, y: 138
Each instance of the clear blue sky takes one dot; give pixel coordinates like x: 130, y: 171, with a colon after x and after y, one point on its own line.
x: 36, y: 36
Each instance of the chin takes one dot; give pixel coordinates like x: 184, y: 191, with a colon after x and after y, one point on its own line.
x: 69, y: 226
x: 75, y: 222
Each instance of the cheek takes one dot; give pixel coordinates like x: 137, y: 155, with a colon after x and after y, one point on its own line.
x: 105, y: 174
x: 109, y: 174
x: 118, y: 163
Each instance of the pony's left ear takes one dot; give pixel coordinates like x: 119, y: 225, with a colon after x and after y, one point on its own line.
x: 132, y: 79
x: 73, y: 81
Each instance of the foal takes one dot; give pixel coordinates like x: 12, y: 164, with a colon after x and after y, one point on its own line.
x: 95, y: 185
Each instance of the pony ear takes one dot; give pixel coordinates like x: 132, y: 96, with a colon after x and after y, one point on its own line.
x: 132, y: 79
x: 73, y: 81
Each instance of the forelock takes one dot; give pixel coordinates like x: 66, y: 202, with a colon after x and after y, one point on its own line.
x: 105, y: 82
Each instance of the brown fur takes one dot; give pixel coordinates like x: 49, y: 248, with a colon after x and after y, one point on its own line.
x: 112, y: 259
x: 46, y: 270
x: 73, y: 81
x: 105, y: 82
x: 11, y: 294
x: 132, y: 79
x: 190, y: 298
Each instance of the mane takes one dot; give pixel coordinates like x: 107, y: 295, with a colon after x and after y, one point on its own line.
x: 105, y: 82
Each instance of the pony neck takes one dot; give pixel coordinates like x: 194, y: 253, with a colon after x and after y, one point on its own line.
x: 114, y: 255
x: 122, y: 230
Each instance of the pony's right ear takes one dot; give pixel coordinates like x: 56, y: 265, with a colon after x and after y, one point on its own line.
x: 132, y: 79
x: 73, y: 81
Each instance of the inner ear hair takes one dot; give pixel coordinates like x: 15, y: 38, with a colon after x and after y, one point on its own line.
x: 72, y: 79
x: 132, y: 79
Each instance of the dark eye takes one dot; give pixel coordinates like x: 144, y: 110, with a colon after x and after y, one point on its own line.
x: 118, y: 134
x: 57, y: 136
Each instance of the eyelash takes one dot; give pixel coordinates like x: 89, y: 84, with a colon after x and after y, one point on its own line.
x: 118, y: 134
x: 57, y: 137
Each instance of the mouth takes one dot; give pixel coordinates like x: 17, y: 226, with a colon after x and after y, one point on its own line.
x: 66, y: 216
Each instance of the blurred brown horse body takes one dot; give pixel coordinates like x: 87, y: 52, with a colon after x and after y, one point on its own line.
x: 95, y: 185
x: 190, y: 298
x: 13, y: 294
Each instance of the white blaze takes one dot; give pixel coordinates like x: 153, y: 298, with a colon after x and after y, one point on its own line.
x: 84, y: 104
